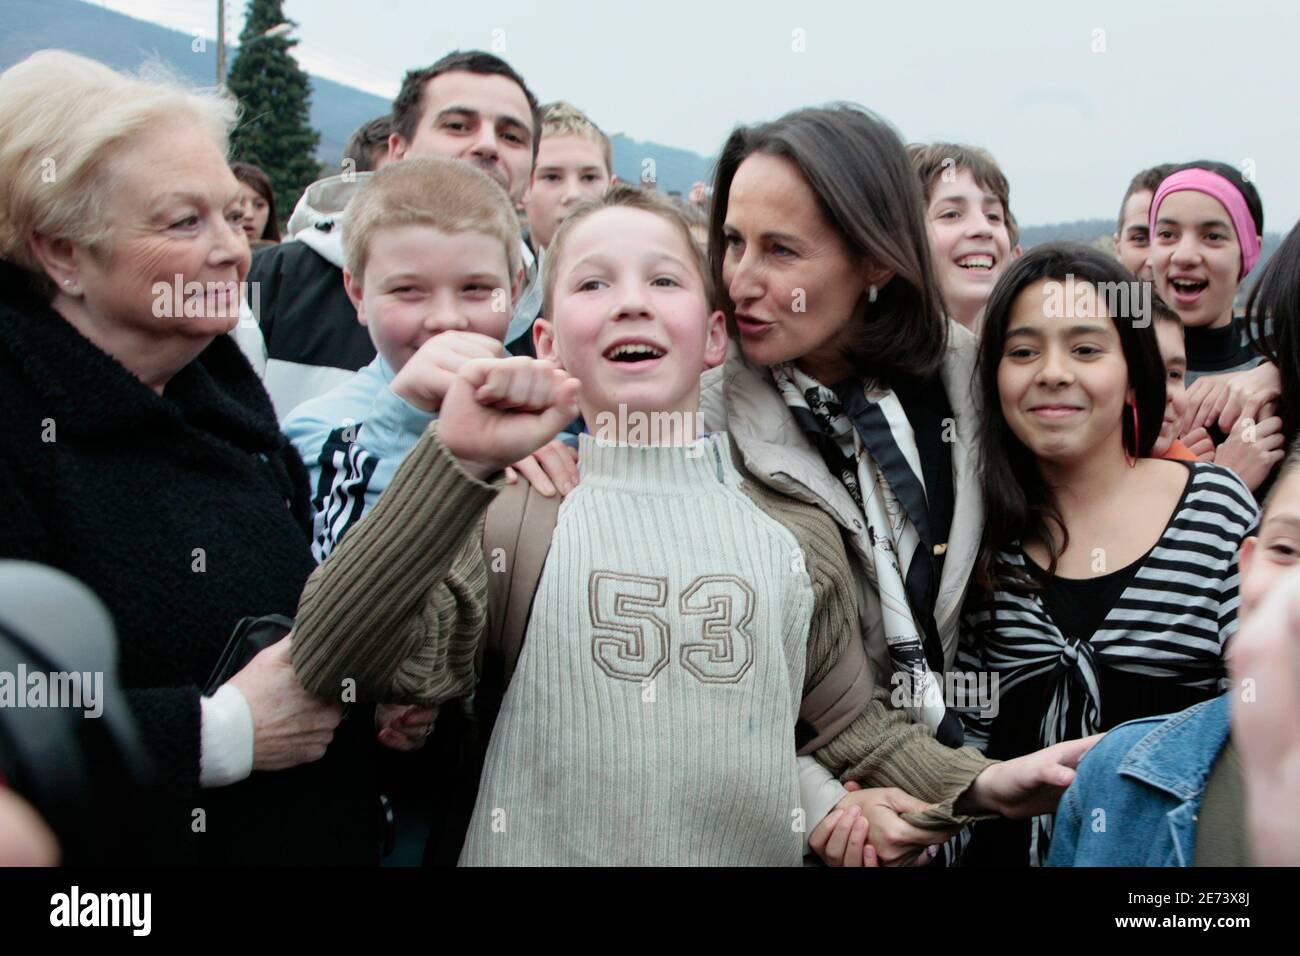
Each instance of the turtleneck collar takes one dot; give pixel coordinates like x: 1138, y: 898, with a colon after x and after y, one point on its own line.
x: 657, y: 469
x: 1205, y: 344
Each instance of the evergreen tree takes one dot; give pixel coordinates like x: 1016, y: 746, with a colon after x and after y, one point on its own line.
x: 274, y: 92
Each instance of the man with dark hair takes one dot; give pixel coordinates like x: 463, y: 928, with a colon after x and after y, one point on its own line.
x: 414, y: 123
x: 368, y: 146
x: 469, y: 105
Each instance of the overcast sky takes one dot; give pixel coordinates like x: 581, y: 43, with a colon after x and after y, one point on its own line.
x: 1072, y: 98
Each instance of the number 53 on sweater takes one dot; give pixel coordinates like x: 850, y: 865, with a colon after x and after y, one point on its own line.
x: 632, y: 635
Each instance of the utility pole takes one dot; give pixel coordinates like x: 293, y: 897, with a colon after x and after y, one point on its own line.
x: 221, y: 42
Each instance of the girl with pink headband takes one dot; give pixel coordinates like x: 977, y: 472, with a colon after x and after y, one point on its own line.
x: 1206, y: 225
x: 1247, y: 221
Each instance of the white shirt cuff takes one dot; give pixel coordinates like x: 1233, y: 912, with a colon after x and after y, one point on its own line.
x: 819, y: 791
x: 226, y: 738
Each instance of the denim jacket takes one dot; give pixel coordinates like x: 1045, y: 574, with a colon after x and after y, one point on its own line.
x: 1137, y: 797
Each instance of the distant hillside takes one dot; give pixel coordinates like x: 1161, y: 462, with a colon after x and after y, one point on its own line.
x: 675, y: 169
x: 1081, y: 230
x: 125, y: 43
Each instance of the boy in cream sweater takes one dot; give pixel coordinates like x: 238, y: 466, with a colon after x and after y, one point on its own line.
x: 682, y: 613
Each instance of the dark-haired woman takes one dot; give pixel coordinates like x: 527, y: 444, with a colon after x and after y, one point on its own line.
x: 851, y: 391
x: 1108, y: 579
x: 258, y: 203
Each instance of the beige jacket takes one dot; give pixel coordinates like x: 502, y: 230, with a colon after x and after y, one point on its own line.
x: 741, y: 399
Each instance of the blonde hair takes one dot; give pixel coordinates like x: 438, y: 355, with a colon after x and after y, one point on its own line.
x: 64, y: 119
x: 449, y: 195
x: 565, y: 119
x: 624, y: 196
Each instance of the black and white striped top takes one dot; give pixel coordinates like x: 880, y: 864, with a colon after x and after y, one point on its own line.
x: 1160, y: 645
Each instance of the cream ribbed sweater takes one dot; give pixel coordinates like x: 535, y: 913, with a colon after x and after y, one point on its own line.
x: 399, y: 611
x: 650, y: 719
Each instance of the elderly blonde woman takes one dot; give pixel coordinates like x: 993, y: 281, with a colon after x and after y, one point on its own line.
x: 139, y: 453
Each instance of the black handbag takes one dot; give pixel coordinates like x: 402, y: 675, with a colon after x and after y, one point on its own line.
x: 252, y: 636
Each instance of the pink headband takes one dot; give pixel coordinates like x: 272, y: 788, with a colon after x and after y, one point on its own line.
x: 1212, y: 184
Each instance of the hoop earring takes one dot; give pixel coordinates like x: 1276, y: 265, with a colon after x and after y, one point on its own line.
x: 1137, y: 444
x: 872, y: 293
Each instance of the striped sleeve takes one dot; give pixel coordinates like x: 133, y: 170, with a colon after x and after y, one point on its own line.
x: 344, y: 470
x: 976, y: 722
x: 401, y: 605
x: 1181, y: 607
x: 357, y: 463
x: 1244, y: 514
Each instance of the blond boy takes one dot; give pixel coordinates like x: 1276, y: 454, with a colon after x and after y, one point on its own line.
x: 432, y: 268
x: 574, y: 163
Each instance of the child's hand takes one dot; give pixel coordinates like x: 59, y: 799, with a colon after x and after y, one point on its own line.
x: 841, y: 839
x: 1028, y: 785
x: 498, y: 411
x: 1252, y: 449
x: 1200, y: 444
x: 424, y: 379
x: 894, y: 841
x: 1266, y: 721
x: 1222, y: 399
x: 404, y: 726
x: 552, y: 467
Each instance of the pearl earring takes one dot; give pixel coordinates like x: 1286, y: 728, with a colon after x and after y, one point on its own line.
x: 872, y: 293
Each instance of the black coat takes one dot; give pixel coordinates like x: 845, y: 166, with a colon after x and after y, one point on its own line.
x: 304, y: 311
x: 184, y: 512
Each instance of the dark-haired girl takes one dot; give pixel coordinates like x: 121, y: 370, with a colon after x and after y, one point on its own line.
x: 1108, y: 579
x: 258, y: 198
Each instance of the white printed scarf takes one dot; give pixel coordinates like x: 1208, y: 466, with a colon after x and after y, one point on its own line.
x: 894, y: 537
